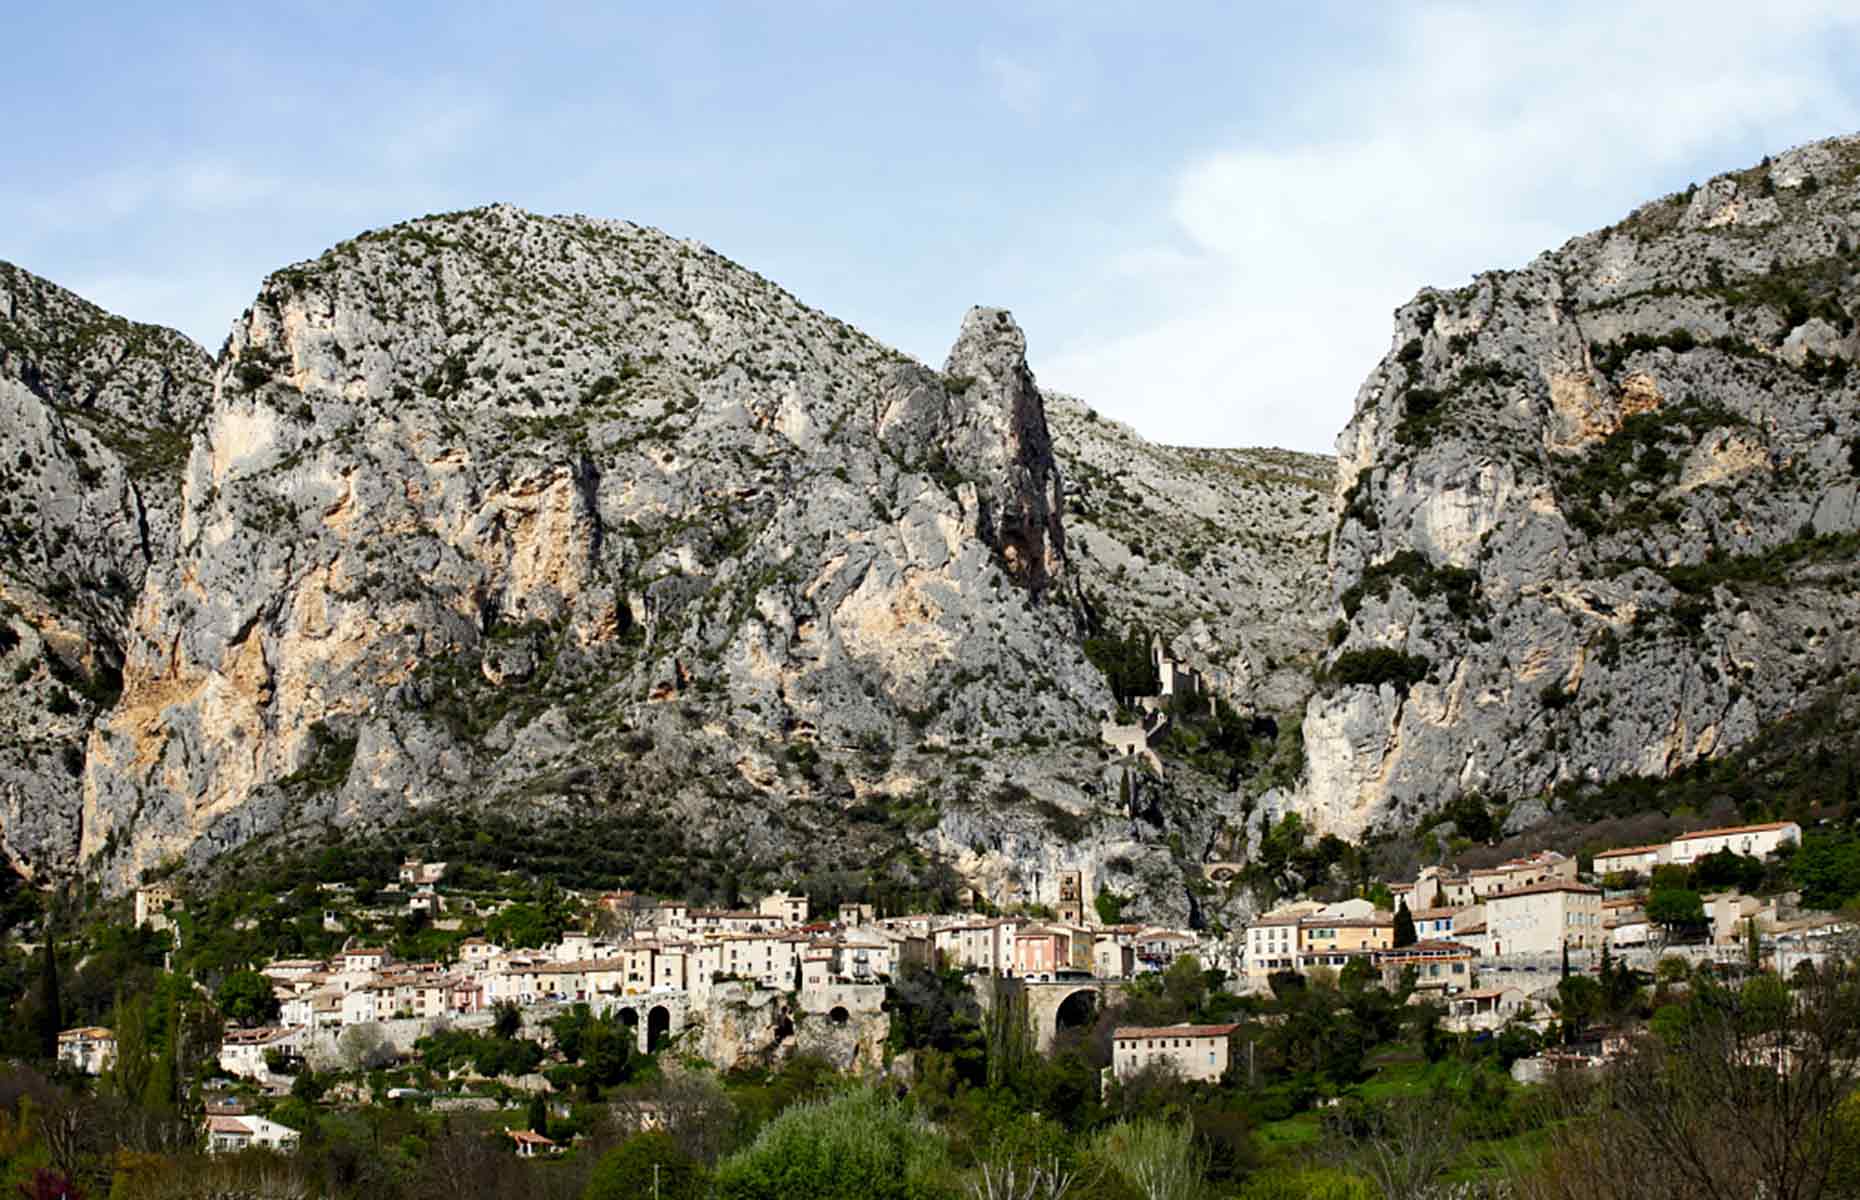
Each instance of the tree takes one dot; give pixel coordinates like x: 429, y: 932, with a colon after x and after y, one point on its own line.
x: 1404, y: 926
x: 858, y: 1145
x: 247, y: 998
x: 539, y: 1115
x: 50, y: 1015
x: 1740, y: 1097
x: 508, y: 1019
x: 647, y: 1164
x: 1409, y: 1147
x: 365, y: 1047
x: 1186, y: 985
x: 1159, y: 1159
x: 1677, y: 910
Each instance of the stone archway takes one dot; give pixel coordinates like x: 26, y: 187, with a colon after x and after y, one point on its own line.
x: 658, y: 1027
x: 1076, y: 1011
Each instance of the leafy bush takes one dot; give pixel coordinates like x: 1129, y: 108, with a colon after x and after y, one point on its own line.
x: 647, y: 1164
x: 1378, y: 666
x: 860, y: 1145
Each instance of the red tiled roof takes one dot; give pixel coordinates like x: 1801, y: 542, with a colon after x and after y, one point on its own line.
x: 1626, y: 850
x: 1765, y: 827
x: 1548, y: 885
x: 1126, y: 1032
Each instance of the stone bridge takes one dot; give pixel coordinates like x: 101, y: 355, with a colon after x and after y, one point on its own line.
x: 1067, y: 1004
x: 657, y: 1016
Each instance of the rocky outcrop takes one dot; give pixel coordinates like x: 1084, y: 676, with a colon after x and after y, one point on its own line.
x: 1221, y: 552
x: 97, y: 413
x: 1597, y: 517
x: 567, y: 514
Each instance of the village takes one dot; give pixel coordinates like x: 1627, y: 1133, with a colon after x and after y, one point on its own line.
x: 1489, y: 946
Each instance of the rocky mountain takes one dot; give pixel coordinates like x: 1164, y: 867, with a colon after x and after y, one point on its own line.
x: 1598, y: 517
x: 97, y: 413
x: 1223, y: 550
x: 573, y: 517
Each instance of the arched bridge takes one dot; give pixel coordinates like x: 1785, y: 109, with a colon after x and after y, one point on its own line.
x: 657, y: 1016
x: 1067, y: 1004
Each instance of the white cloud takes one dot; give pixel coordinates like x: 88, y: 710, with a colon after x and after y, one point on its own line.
x: 1020, y: 85
x: 1485, y: 137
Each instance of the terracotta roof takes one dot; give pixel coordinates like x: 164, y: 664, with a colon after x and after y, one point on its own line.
x: 1626, y: 850
x: 1285, y: 919
x: 529, y: 1136
x: 1126, y: 1032
x: 228, y: 1125
x: 1548, y: 885
x: 1433, y: 914
x: 1429, y: 947
x: 85, y: 1032
x: 1765, y: 827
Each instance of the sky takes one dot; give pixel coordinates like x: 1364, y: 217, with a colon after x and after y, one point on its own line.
x: 1202, y: 215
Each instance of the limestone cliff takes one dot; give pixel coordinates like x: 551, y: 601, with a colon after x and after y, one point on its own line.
x: 97, y: 412
x: 566, y: 513
x: 1597, y: 517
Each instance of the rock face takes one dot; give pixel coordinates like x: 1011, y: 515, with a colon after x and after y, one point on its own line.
x: 97, y: 413
x: 1220, y: 551
x: 1597, y: 517
x: 503, y: 509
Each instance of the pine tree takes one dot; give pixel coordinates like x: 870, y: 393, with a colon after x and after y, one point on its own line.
x: 1404, y: 926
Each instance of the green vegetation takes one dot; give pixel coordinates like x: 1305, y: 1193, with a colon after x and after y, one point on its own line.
x: 1458, y: 587
x: 1377, y: 666
x: 1126, y: 662
x: 1598, y: 489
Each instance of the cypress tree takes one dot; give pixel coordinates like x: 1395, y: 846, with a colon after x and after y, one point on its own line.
x: 51, y: 1010
x: 1404, y: 926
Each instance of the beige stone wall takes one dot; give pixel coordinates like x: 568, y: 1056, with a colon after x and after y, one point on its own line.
x: 1194, y: 1058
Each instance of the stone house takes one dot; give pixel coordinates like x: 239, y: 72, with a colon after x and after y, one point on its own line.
x: 1631, y: 860
x: 772, y: 960
x: 1175, y: 677
x: 671, y: 967
x: 1443, y: 966
x: 476, y: 953
x: 1433, y: 923
x: 230, y: 1134
x: 1196, y: 1052
x: 1044, y: 950
x: 288, y: 970
x: 1627, y: 927
x: 978, y: 945
x: 1112, y: 958
x: 362, y: 960
x: 90, y: 1049
x: 1728, y: 913
x: 1327, y: 941
x: 415, y: 873
x: 1546, y: 866
x: 1544, y: 918
x: 1756, y: 841
x: 154, y: 903
x: 1157, y: 948
x: 1273, y: 942
x: 1485, y: 1008
x: 785, y: 908
x: 242, y: 1051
